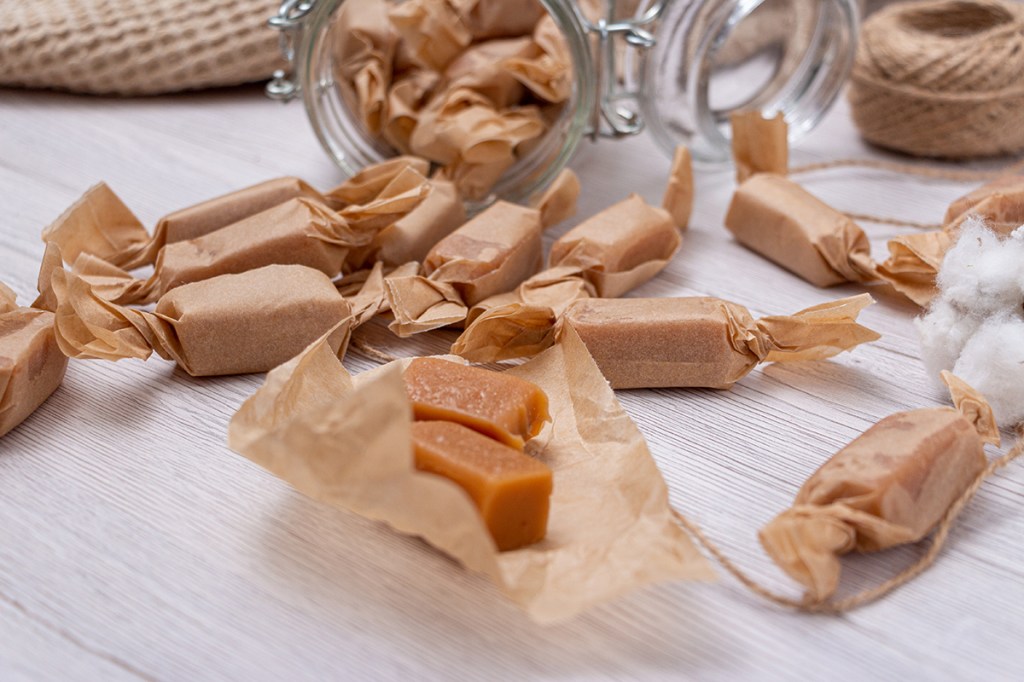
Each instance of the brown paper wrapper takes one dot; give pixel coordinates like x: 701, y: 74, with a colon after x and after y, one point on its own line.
x: 914, y: 262
x: 491, y: 254
x: 488, y: 19
x: 547, y: 70
x: 481, y: 69
x: 707, y: 342
x: 411, y: 237
x: 890, y: 486
x: 31, y: 364
x: 678, y: 200
x: 606, y: 255
x: 784, y: 223
x: 406, y: 97
x: 348, y: 444
x: 759, y: 144
x: 431, y: 30
x: 558, y: 202
x: 368, y: 184
x: 298, y: 232
x: 621, y: 247
x: 101, y: 225
x: 366, y: 58
x: 1007, y: 190
x: 231, y: 324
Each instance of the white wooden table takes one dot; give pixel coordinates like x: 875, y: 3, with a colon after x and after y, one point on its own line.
x: 134, y: 544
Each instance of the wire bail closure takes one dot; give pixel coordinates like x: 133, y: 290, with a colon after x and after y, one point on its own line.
x: 615, y: 111
x: 288, y: 22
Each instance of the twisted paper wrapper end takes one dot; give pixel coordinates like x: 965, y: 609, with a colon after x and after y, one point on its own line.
x: 815, y: 333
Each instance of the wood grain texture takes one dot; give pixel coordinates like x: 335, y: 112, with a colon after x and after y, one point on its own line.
x: 134, y: 544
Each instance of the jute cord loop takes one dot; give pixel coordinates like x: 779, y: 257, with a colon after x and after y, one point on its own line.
x: 939, y: 538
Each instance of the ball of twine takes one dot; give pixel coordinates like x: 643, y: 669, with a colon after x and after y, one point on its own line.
x: 942, y: 78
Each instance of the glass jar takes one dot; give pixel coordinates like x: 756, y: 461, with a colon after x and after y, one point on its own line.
x: 676, y: 67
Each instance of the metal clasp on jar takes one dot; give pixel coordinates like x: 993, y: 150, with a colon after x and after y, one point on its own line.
x: 616, y: 106
x: 289, y: 22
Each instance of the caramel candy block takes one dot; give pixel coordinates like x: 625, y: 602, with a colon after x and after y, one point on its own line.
x: 31, y: 364
x: 888, y: 487
x: 101, y: 225
x: 504, y: 407
x: 1008, y: 190
x: 759, y: 144
x: 706, y: 342
x: 620, y: 247
x: 784, y: 223
x: 678, y: 199
x: 511, y: 490
x: 231, y: 324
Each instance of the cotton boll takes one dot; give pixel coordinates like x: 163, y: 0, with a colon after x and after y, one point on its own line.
x: 944, y: 332
x: 992, y: 361
x: 982, y: 273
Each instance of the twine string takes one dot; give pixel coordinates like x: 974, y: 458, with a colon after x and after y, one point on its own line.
x: 371, y: 351
x: 939, y: 538
x: 931, y: 172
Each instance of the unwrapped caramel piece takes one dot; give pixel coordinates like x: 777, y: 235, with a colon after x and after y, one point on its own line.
x: 759, y: 144
x: 787, y: 225
x: 499, y: 405
x: 888, y: 487
x: 31, y: 364
x: 1008, y: 189
x: 707, y: 342
x: 230, y: 324
x: 511, y: 490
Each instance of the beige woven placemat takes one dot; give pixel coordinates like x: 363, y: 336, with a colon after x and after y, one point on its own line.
x: 136, y: 47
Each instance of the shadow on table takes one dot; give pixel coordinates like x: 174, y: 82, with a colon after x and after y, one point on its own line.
x: 421, y: 600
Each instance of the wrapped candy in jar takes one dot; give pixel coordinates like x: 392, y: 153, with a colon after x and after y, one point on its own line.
x: 499, y: 95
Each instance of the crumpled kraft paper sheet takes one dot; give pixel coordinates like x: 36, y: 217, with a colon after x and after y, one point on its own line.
x: 346, y: 442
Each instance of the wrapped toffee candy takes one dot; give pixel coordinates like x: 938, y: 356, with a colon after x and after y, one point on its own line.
x: 606, y: 255
x: 759, y: 144
x: 230, y: 324
x: 300, y: 231
x: 467, y: 84
x: 914, y: 259
x: 490, y: 254
x: 889, y: 487
x: 784, y: 223
x: 1000, y: 203
x: 707, y: 342
x: 99, y: 223
x: 678, y: 200
x: 31, y: 364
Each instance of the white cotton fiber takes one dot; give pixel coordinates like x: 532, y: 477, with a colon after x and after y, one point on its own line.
x: 944, y: 332
x: 992, y: 361
x: 982, y: 273
x: 975, y: 326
